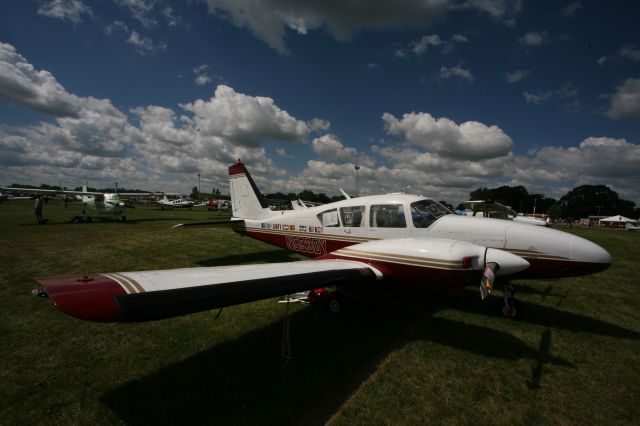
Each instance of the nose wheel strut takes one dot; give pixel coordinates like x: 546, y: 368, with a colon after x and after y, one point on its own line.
x: 510, y: 305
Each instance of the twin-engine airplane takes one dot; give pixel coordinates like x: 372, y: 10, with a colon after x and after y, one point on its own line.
x: 382, y: 244
x: 103, y: 203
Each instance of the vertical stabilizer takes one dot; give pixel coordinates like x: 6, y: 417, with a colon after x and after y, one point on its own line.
x: 246, y: 200
x: 86, y: 198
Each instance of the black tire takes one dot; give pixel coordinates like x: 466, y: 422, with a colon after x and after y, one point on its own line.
x: 335, y: 304
x: 516, y: 312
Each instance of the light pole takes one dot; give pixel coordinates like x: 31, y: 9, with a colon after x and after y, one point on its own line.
x: 198, y: 183
x: 116, y: 187
x: 357, y: 168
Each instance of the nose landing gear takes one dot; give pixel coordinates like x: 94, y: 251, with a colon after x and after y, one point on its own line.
x: 510, y: 307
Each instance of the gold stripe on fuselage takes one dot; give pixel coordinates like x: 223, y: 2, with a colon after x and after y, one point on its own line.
x: 401, y: 259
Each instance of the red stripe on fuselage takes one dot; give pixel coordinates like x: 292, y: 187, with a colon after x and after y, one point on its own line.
x: 89, y: 297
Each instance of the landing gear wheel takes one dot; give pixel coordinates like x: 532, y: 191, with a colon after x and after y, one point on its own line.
x: 335, y: 304
x: 511, y: 306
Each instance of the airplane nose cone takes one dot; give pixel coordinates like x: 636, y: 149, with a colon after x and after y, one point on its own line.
x: 592, y: 255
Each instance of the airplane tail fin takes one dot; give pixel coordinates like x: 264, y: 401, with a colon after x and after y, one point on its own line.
x: 86, y: 198
x: 246, y: 200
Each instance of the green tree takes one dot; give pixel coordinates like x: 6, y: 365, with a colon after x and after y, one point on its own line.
x: 516, y: 197
x: 588, y: 200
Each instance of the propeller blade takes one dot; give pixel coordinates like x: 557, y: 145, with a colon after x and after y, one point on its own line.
x: 499, y: 262
x: 488, y: 278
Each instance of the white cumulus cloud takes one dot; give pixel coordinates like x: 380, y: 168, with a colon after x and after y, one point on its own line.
x: 330, y: 148
x: 625, y: 102
x: 471, y: 139
x: 245, y: 120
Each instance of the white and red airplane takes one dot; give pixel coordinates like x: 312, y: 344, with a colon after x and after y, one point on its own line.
x: 178, y: 203
x: 393, y: 243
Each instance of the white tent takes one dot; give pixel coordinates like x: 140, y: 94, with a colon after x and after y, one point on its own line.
x: 618, y: 219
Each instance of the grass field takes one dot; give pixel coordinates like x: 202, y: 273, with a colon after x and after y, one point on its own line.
x: 572, y: 359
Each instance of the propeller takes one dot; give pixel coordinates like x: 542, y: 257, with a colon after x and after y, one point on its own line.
x: 488, y: 278
x: 499, y: 262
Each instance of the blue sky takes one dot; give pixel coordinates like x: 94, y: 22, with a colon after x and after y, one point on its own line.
x: 432, y: 97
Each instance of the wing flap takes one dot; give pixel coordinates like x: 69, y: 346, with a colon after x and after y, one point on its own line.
x: 151, y: 295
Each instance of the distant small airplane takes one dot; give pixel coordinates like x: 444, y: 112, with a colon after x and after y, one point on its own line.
x: 373, y: 246
x: 492, y: 209
x: 178, y: 203
x: 103, y: 203
x: 630, y: 227
x: 219, y: 204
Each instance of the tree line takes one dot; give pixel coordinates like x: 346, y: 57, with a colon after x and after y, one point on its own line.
x: 580, y: 202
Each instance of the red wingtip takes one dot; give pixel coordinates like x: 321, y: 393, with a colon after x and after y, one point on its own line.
x: 237, y: 168
x: 88, y: 297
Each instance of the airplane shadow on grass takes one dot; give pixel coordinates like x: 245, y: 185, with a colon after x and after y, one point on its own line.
x: 545, y: 316
x: 247, y: 381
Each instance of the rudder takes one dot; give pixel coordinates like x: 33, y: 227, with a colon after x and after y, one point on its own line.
x: 246, y: 200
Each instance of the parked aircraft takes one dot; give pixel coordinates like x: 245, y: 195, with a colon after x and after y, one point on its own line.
x: 219, y: 205
x: 481, y: 208
x: 103, y: 203
x: 630, y: 227
x: 382, y: 244
x: 178, y: 203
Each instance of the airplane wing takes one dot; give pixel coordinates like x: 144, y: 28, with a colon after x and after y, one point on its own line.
x: 60, y: 191
x: 50, y: 191
x: 151, y: 295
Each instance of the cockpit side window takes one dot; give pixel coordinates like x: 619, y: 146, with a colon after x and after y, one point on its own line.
x: 352, y: 216
x: 329, y: 218
x: 425, y: 212
x: 387, y: 216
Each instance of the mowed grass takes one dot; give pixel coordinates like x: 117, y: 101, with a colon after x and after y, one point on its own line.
x: 571, y: 359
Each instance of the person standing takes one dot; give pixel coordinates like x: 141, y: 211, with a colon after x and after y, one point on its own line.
x: 38, y: 208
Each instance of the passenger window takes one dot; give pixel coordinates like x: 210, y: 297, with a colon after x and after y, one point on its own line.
x: 387, y: 216
x: 352, y: 216
x: 329, y: 218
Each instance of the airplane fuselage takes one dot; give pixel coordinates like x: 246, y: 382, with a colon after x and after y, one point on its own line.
x: 324, y: 230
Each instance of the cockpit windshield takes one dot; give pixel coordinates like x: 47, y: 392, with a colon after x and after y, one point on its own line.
x: 425, y: 212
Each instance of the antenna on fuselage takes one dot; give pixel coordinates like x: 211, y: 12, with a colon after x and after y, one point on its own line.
x: 345, y: 194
